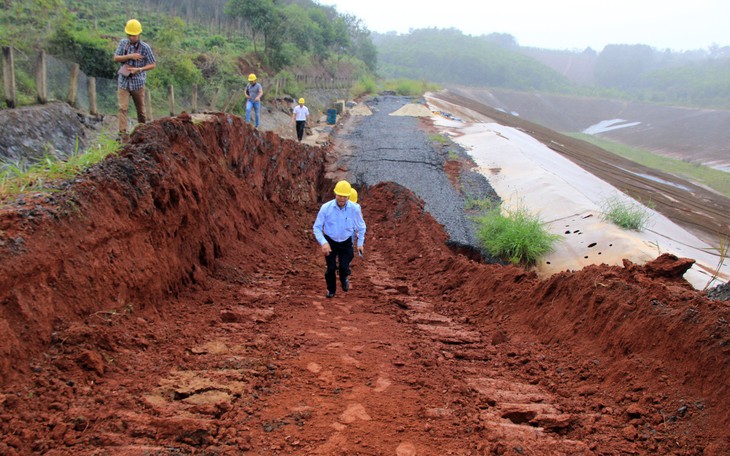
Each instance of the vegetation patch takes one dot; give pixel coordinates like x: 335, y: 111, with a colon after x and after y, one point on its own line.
x: 440, y: 139
x: 713, y: 178
x: 514, y: 234
x: 626, y: 215
x: 16, y: 178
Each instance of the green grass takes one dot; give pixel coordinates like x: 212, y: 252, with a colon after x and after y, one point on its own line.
x: 439, y: 139
x: 20, y: 177
x: 712, y: 178
x: 626, y: 215
x: 410, y: 87
x: 364, y: 86
x: 479, y: 205
x: 515, y: 235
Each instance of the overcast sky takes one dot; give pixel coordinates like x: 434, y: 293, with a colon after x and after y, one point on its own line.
x: 558, y: 24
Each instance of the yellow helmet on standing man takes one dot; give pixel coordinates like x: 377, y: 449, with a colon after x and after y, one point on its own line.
x: 133, y: 27
x: 251, y: 77
x: 301, y: 101
x: 353, y: 195
x: 343, y: 188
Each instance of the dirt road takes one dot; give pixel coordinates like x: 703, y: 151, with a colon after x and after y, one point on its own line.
x: 178, y: 307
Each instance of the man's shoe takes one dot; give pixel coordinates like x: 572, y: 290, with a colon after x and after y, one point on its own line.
x: 346, y: 284
x: 330, y: 295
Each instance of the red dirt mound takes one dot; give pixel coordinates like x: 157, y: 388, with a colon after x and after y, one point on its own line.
x: 172, y: 302
x: 143, y: 225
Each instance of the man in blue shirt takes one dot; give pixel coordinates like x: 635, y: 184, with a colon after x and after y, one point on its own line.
x: 137, y: 59
x: 334, y: 228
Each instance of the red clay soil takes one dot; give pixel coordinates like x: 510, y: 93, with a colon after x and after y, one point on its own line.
x: 171, y: 301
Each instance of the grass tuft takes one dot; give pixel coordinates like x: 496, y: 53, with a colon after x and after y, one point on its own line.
x: 626, y: 215
x: 515, y: 235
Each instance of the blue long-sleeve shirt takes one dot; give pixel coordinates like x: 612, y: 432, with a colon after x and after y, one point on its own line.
x: 339, y: 223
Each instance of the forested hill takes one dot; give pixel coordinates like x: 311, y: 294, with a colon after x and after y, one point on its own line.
x: 639, y: 72
x: 448, y: 56
x: 211, y: 42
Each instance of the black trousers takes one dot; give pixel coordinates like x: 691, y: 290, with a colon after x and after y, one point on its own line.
x: 342, y: 251
x: 300, y: 129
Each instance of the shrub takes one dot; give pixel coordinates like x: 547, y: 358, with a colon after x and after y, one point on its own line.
x: 180, y: 72
x: 516, y: 235
x: 287, y: 83
x: 364, y: 86
x: 93, y: 54
x: 410, y: 87
x: 626, y: 215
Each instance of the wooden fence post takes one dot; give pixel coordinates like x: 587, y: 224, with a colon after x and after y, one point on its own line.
x: 73, y: 82
x: 40, y: 78
x: 214, y: 100
x: 148, y: 105
x: 194, y: 108
x: 171, y: 94
x: 92, y: 96
x: 229, y: 103
x: 9, y: 77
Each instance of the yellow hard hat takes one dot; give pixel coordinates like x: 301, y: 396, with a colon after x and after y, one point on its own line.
x: 342, y: 188
x: 251, y: 77
x: 133, y: 27
x: 301, y: 101
x: 353, y: 195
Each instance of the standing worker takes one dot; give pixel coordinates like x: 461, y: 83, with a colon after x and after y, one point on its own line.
x: 300, y: 116
x: 137, y: 59
x: 334, y: 228
x: 254, y: 91
x: 353, y: 200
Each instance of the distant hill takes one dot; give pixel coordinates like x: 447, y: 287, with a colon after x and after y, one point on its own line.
x: 636, y: 72
x: 578, y: 67
x: 448, y: 56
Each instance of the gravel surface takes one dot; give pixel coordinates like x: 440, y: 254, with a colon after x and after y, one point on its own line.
x: 396, y: 149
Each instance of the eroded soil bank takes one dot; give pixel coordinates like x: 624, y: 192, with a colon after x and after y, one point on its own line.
x: 171, y: 301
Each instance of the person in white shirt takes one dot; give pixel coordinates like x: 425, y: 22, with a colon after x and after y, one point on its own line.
x: 334, y: 228
x: 299, y: 117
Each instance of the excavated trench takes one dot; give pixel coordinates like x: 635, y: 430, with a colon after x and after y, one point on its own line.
x: 171, y: 301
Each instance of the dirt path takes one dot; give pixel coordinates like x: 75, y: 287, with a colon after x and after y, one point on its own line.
x: 264, y: 364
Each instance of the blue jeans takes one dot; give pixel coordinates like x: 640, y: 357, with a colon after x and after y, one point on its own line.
x: 256, y: 105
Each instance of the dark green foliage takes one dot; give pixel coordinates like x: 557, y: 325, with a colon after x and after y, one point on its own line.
x: 279, y: 33
x: 215, y: 41
x: 94, y: 55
